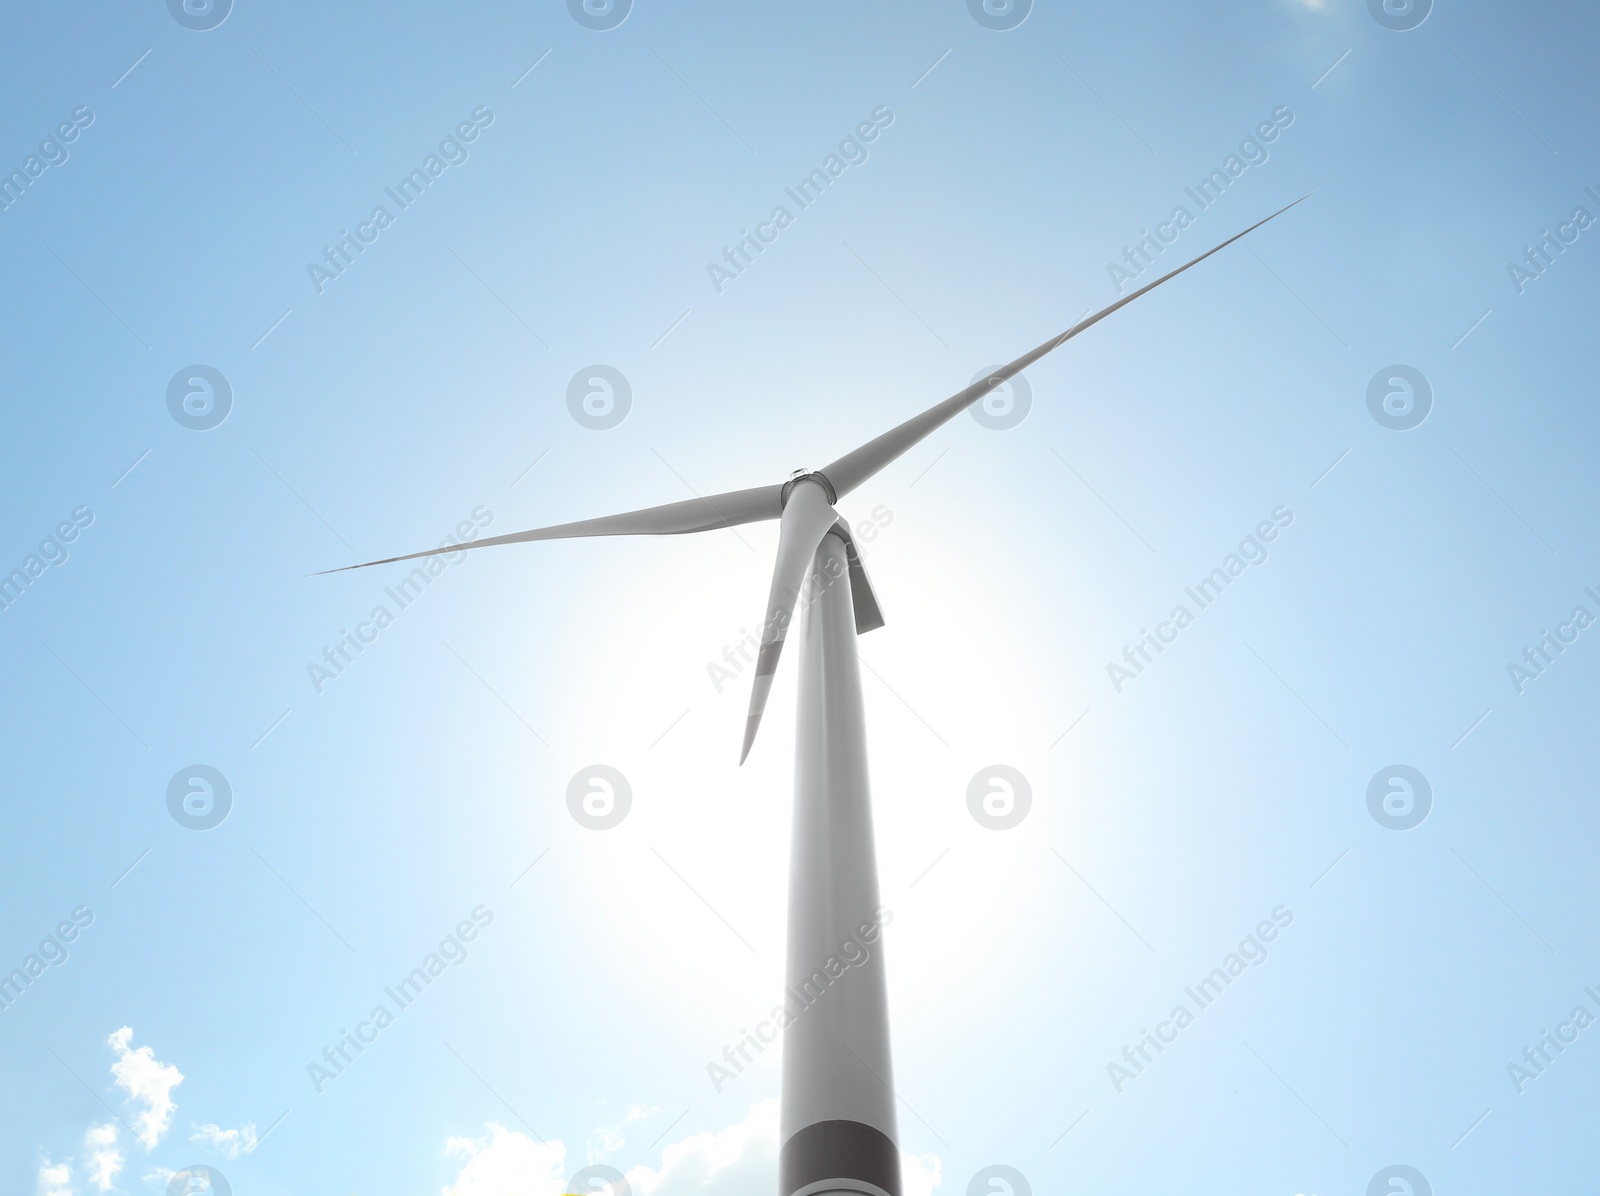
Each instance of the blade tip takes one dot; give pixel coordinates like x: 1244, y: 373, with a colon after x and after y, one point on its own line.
x: 752, y: 724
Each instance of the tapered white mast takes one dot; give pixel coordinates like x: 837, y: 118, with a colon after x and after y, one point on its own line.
x: 837, y: 1123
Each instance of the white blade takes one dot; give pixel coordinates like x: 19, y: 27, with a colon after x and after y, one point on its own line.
x: 806, y: 519
x: 855, y: 467
x: 673, y: 519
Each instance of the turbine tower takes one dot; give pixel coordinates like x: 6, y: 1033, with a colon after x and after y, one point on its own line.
x: 837, y: 1133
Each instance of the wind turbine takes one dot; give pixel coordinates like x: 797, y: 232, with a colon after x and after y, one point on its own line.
x: 837, y: 1130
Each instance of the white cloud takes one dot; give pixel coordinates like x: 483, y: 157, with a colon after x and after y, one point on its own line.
x: 919, y: 1173
x: 55, y: 1179
x: 150, y: 1082
x: 744, y: 1158
x: 735, y: 1161
x: 608, y: 1139
x: 104, y: 1156
x: 230, y: 1144
x: 508, y: 1163
x: 145, y: 1079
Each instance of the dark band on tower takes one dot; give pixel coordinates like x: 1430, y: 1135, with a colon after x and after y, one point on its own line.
x: 840, y: 1151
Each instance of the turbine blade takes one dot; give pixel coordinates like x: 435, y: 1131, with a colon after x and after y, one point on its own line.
x: 806, y: 519
x: 863, y: 598
x: 673, y: 519
x: 855, y: 467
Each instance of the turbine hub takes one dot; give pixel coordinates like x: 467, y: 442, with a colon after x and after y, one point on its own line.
x: 808, y: 475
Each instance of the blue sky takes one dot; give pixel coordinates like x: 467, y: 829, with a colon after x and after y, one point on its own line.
x: 373, y: 818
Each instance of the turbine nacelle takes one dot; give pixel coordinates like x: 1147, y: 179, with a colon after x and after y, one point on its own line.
x: 808, y: 475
